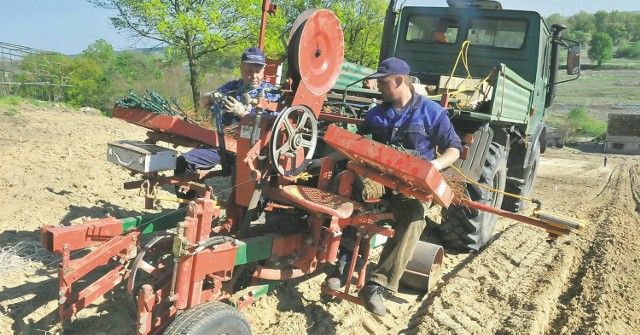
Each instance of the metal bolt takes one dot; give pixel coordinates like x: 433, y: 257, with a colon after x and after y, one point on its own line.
x: 62, y: 300
x: 142, y: 330
x: 61, y: 292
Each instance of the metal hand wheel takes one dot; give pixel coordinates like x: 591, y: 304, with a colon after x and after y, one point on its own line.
x: 294, y: 133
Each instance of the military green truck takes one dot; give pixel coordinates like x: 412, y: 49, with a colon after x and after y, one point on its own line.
x: 498, y: 70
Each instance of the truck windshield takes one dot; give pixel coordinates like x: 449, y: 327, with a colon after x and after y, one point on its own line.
x: 501, y: 33
x: 432, y: 29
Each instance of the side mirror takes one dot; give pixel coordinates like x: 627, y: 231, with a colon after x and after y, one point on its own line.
x: 573, y: 60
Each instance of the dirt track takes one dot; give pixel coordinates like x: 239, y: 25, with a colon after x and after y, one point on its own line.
x: 55, y: 172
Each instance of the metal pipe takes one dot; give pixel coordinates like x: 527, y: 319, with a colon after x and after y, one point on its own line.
x: 557, y: 230
x: 554, y: 63
x: 263, y: 23
x: 559, y: 220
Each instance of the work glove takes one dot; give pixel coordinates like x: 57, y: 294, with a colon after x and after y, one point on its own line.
x: 233, y: 106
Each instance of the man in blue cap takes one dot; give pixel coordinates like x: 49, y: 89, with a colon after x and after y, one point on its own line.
x: 230, y: 96
x: 420, y: 126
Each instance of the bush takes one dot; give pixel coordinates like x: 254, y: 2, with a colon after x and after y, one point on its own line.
x: 581, y: 123
x: 629, y: 51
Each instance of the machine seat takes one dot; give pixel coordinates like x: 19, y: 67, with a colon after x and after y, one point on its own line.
x: 319, y: 201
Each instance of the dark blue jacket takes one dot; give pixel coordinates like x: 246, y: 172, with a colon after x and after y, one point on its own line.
x: 235, y: 88
x: 418, y: 130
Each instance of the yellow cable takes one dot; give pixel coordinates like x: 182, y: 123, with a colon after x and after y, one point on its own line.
x: 464, y: 56
x: 491, y: 189
x: 305, y: 176
x: 487, y: 187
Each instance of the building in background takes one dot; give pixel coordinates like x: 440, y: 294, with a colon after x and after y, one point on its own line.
x: 623, y: 134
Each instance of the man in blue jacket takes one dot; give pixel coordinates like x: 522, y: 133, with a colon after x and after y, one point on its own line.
x: 420, y: 127
x: 230, y: 96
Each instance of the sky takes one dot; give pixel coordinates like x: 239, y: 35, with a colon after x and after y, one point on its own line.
x: 69, y: 26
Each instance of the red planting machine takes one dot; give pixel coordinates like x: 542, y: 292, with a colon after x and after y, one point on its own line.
x: 218, y: 258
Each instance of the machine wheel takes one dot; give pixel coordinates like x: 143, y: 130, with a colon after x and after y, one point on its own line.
x: 210, y: 318
x: 153, y: 265
x: 469, y: 229
x: 529, y: 176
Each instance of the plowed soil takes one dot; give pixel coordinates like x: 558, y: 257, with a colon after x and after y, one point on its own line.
x: 55, y: 173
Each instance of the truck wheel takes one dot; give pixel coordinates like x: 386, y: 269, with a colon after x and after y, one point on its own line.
x: 529, y: 176
x: 469, y: 229
x: 210, y: 318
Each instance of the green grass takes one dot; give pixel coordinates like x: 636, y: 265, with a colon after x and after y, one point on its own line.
x: 601, y: 91
x: 14, y: 100
x: 10, y: 100
x: 11, y: 112
x: 598, y: 92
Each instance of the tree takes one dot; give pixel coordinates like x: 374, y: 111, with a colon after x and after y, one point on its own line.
x: 582, y: 21
x: 191, y: 29
x: 555, y: 18
x: 362, y: 24
x: 100, y: 52
x: 42, y: 76
x: 600, y: 19
x: 601, y: 48
x: 579, y: 36
x: 91, y: 85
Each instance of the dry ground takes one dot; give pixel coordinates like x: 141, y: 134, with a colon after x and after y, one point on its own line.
x: 55, y: 172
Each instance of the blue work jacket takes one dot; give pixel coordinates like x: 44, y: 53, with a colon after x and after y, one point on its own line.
x: 419, y: 129
x: 234, y: 88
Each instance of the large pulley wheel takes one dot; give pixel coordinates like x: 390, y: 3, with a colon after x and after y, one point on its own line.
x: 316, y: 50
x: 293, y: 140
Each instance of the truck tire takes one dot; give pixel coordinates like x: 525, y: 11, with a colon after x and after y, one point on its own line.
x: 524, y: 190
x: 210, y: 318
x: 467, y: 229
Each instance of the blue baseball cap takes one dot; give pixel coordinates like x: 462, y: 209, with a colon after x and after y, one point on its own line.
x: 254, y: 55
x: 391, y: 65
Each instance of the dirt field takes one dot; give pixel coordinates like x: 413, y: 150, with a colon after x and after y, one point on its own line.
x: 55, y: 172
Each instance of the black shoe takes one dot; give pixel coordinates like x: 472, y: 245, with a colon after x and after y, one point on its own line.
x: 339, y: 276
x: 337, y: 279
x: 371, y: 294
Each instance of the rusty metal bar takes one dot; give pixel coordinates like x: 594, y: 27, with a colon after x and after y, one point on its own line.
x: 521, y: 218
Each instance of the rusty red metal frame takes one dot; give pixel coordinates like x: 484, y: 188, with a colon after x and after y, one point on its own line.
x: 111, y: 249
x: 173, y: 126
x: 392, y: 168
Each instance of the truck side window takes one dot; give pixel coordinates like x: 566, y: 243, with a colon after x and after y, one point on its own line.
x: 432, y: 29
x: 500, y: 33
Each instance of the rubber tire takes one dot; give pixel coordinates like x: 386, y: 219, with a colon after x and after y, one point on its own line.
x: 530, y: 173
x: 210, y: 318
x: 468, y: 229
